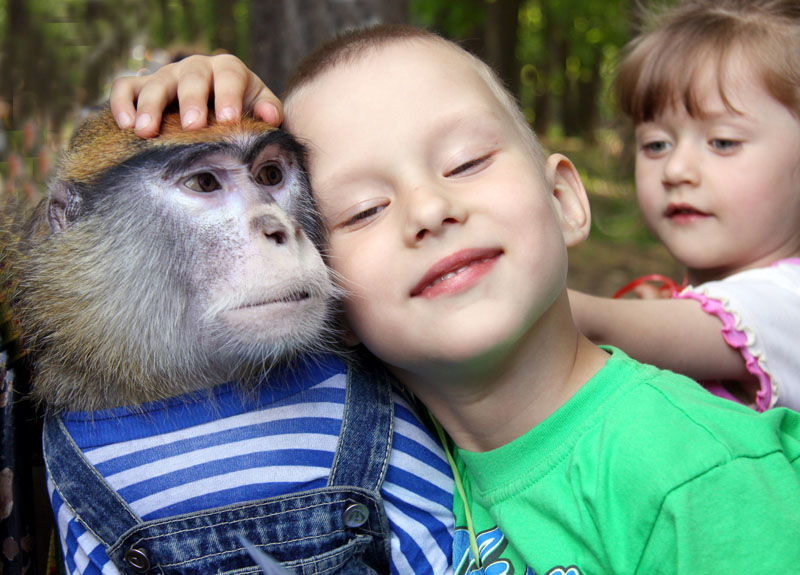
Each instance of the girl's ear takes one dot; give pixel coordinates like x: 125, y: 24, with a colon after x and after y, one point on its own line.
x: 569, y: 198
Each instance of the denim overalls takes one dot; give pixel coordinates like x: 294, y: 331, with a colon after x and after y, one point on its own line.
x: 338, y: 529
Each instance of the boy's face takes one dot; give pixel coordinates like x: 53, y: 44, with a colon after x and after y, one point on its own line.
x: 444, y: 231
x: 722, y: 191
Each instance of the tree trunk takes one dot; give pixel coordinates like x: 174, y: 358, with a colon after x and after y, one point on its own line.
x: 567, y: 112
x: 190, y: 29
x: 16, y: 40
x: 226, y: 26
x: 543, y: 99
x: 588, y: 96
x: 165, y: 31
x: 94, y: 65
x: 502, y: 17
x: 283, y: 32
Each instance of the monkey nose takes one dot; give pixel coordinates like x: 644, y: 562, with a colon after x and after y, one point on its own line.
x: 275, y: 229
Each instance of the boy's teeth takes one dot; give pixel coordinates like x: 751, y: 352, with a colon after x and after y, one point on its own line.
x: 449, y: 275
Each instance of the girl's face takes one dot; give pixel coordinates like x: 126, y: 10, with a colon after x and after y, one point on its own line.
x: 722, y: 191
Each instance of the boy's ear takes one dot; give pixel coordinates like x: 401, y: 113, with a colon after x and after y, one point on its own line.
x: 570, y: 199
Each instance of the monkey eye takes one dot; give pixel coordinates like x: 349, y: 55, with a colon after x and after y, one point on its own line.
x: 205, y: 182
x: 269, y: 175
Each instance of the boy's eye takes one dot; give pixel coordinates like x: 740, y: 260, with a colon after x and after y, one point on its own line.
x: 722, y: 145
x: 204, y: 182
x: 362, y: 217
x: 467, y: 166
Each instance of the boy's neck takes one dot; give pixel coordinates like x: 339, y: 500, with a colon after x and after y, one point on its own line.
x: 485, y: 411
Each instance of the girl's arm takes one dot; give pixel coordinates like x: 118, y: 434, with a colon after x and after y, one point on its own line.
x: 674, y: 334
x: 139, y: 101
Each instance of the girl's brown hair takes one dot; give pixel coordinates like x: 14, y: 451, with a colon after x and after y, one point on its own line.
x: 662, y: 66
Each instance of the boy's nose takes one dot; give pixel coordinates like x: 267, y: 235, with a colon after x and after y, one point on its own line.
x: 429, y: 212
x: 681, y: 166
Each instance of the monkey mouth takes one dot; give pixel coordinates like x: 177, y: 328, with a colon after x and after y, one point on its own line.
x: 293, y: 297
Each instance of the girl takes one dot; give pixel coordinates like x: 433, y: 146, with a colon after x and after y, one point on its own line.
x: 714, y: 92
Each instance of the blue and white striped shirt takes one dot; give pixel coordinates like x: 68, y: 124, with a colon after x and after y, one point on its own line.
x: 176, y: 457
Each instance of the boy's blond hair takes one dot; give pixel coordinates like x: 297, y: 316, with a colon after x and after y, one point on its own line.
x: 356, y: 43
x: 662, y: 66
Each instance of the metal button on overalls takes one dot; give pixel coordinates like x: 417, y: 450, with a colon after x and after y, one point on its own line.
x: 137, y: 559
x: 355, y: 515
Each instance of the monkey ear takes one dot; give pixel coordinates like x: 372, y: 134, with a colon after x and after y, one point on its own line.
x: 63, y: 207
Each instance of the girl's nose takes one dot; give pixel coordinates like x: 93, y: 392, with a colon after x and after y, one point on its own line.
x: 682, y: 165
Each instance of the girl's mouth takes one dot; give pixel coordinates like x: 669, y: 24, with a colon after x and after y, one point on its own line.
x: 683, y: 212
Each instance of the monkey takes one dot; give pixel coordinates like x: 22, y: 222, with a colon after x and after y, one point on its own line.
x: 159, y: 267
x: 173, y: 300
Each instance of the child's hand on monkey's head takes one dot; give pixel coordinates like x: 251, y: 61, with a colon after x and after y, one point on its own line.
x: 138, y: 102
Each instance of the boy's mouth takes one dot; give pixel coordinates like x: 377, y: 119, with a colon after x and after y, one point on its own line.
x: 455, y: 272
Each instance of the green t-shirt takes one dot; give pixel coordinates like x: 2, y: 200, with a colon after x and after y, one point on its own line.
x: 642, y: 471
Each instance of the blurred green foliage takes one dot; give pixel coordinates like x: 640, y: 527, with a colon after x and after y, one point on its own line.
x: 60, y: 56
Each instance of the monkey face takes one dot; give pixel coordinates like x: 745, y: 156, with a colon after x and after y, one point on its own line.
x: 257, y: 278
x: 186, y: 262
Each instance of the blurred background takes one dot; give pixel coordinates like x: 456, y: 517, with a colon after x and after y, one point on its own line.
x: 59, y: 58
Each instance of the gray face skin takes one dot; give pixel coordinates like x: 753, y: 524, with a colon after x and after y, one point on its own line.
x: 177, y: 269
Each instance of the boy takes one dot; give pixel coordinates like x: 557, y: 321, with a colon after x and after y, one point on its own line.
x: 449, y: 230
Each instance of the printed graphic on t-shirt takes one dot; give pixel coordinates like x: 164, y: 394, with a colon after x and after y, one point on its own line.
x: 491, y: 545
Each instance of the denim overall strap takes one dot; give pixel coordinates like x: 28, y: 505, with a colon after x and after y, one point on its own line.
x: 341, y: 528
x: 365, y: 442
x: 103, y: 512
x: 362, y: 456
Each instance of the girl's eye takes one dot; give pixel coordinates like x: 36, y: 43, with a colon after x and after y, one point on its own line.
x: 204, y: 182
x: 467, y: 166
x: 656, y: 147
x: 362, y: 216
x: 269, y: 175
x: 722, y: 145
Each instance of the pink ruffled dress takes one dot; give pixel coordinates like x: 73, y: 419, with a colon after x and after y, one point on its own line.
x: 760, y: 314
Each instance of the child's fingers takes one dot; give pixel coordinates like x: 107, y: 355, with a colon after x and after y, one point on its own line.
x: 262, y: 102
x: 140, y: 101
x: 155, y: 94
x: 152, y: 94
x: 268, y: 108
x: 230, y: 84
x: 123, y: 94
x: 237, y: 89
x: 194, y: 81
